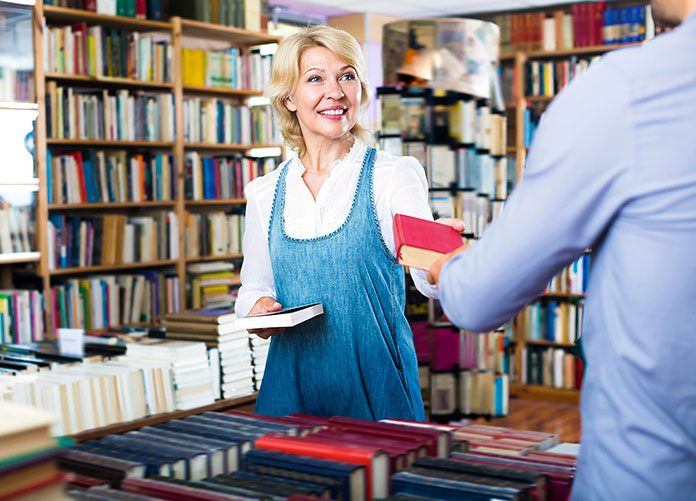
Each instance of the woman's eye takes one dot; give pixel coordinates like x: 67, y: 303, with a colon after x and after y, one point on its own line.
x: 348, y: 76
x: 314, y: 78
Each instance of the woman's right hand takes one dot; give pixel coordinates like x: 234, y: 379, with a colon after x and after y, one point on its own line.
x: 265, y: 304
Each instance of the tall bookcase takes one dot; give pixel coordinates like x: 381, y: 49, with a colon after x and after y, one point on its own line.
x: 178, y: 31
x: 523, y: 59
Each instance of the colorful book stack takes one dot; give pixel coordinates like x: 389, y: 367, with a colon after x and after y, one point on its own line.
x: 16, y: 84
x: 93, y: 176
x: 140, y: 9
x: 101, y: 301
x: 75, y: 241
x: 214, y: 234
x: 547, y: 78
x: 223, y: 121
x: 228, y: 347
x: 101, y: 52
x: 16, y: 229
x: 209, y: 178
x: 259, y: 355
x: 188, y: 364
x: 227, y: 68
x: 212, y: 284
x: 122, y: 115
x: 21, y: 316
x: 28, y: 467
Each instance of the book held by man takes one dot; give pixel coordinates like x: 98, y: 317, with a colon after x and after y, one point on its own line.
x: 287, y: 317
x: 419, y: 242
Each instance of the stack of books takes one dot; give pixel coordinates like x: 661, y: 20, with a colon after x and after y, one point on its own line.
x: 27, y: 457
x: 259, y: 354
x: 228, y: 347
x: 188, y: 364
x: 211, y: 284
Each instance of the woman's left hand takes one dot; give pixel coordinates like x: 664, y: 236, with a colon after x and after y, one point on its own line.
x: 434, y: 272
x: 455, y: 223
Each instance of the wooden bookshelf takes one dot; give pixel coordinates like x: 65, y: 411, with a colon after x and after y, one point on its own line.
x: 539, y: 99
x: 562, y: 295
x: 117, y: 82
x: 215, y: 202
x: 203, y: 259
x: 221, y: 91
x: 578, y: 51
x: 64, y: 15
x: 245, y: 403
x: 148, y: 204
x: 227, y: 147
x: 101, y: 268
x: 537, y: 392
x: 230, y: 34
x: 544, y: 342
x: 100, y: 143
x: 19, y: 258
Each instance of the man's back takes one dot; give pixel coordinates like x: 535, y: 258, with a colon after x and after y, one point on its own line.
x: 613, y: 167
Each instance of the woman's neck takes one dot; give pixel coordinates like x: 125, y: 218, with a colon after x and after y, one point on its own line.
x: 319, y: 156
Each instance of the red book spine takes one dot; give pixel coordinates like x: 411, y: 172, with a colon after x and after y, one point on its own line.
x: 598, y: 22
x: 141, y: 9
x: 90, y: 5
x: 81, y: 176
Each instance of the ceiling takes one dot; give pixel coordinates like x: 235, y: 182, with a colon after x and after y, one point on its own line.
x: 408, y: 8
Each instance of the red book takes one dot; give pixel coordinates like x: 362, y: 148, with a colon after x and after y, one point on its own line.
x: 599, y: 22
x: 141, y: 9
x: 419, y: 242
x: 375, y: 460
x: 91, y: 5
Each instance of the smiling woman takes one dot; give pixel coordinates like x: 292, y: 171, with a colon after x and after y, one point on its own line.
x: 319, y: 230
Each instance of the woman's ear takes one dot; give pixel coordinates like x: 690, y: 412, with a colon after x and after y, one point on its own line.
x: 290, y: 105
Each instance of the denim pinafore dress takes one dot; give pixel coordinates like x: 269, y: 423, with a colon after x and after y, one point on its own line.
x: 358, y: 358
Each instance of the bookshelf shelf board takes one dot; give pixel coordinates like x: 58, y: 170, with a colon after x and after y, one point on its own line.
x: 562, y: 295
x: 544, y: 393
x: 109, y: 144
x: 539, y: 99
x: 511, y: 149
x: 507, y: 57
x: 84, y: 270
x: 241, y: 403
x: 19, y: 257
x: 578, y: 51
x: 201, y: 259
x: 222, y: 91
x: 226, y: 147
x: 229, y: 34
x: 108, y: 81
x: 544, y: 342
x: 111, y: 205
x: 18, y: 105
x: 66, y: 15
x: 217, y: 201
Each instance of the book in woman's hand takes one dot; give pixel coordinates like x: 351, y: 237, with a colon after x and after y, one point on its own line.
x: 419, y: 242
x: 287, y: 317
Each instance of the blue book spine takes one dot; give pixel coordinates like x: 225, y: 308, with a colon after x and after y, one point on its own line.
x: 49, y: 177
x: 157, y: 182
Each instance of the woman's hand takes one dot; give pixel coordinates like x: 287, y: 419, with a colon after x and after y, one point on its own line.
x: 265, y: 304
x: 434, y: 272
x: 457, y: 224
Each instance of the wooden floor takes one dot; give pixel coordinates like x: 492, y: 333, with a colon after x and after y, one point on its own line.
x: 559, y: 418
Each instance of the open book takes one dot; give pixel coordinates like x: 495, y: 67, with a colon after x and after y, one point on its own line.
x: 287, y: 317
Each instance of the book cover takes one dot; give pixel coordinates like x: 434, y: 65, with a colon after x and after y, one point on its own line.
x: 287, y: 317
x: 419, y: 242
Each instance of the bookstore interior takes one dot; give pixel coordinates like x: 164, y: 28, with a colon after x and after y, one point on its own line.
x: 125, y: 372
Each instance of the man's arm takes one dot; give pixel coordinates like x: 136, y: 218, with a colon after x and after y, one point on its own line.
x: 575, y: 183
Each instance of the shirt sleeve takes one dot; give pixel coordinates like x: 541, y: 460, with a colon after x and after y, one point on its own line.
x: 257, y: 271
x: 574, y: 184
x: 409, y: 196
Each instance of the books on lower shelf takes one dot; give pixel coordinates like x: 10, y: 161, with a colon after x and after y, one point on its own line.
x: 16, y: 84
x: 17, y: 228
x: 550, y: 366
x: 226, y: 69
x: 213, y: 234
x: 100, y: 301
x: 111, y: 239
x: 212, y: 285
x: 79, y: 49
x: 21, y: 316
x: 106, y: 115
x: 215, y: 177
x: 93, y: 176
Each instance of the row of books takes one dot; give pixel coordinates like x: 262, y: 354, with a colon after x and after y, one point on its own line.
x: 228, y: 68
x: 21, y: 316
x: 103, y: 301
x: 215, y: 177
x: 93, y: 176
x: 468, y: 392
x: 213, y: 234
x: 573, y: 279
x: 559, y: 322
x: 553, y: 367
x: 530, y: 121
x: 140, y: 9
x: 111, y: 239
x: 547, y: 78
x: 17, y: 228
x: 16, y: 84
x: 441, y: 118
x: 239, y: 13
x: 103, y: 52
x: 477, y: 211
x: 75, y: 113
x: 584, y: 24
x: 221, y: 121
x: 212, y: 284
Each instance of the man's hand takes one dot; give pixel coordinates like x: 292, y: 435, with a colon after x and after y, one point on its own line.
x: 265, y: 304
x: 434, y: 272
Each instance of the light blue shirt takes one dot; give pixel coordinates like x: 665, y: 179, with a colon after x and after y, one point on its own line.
x: 612, y: 167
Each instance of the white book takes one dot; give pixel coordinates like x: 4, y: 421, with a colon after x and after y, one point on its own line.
x: 287, y: 317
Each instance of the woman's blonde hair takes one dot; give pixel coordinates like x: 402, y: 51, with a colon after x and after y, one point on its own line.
x: 285, y: 75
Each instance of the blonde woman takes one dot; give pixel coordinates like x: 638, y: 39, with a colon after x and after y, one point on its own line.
x: 319, y: 229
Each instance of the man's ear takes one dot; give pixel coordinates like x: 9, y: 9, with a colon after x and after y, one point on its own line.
x: 290, y: 105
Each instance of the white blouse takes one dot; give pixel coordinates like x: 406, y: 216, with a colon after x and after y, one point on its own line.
x: 399, y: 185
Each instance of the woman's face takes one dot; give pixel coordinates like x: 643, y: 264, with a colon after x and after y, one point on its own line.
x: 327, y: 97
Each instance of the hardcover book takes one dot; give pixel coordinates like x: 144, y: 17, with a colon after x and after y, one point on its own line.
x: 419, y: 242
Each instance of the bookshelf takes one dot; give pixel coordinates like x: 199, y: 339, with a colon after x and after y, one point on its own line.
x: 178, y: 33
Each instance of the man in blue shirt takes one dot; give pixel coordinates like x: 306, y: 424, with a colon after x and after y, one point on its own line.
x: 612, y: 167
